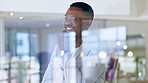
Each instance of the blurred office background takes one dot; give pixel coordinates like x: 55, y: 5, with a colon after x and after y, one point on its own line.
x: 28, y: 34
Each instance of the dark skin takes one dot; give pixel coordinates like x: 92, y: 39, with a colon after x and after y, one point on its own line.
x: 79, y: 21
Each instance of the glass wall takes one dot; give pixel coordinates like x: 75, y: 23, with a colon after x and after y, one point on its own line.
x: 20, y: 64
x: 28, y: 52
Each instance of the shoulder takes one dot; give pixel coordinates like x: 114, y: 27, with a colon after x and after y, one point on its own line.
x: 90, y: 51
x: 56, y: 51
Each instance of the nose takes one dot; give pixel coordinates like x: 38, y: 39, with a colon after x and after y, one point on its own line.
x: 69, y: 26
x: 67, y: 22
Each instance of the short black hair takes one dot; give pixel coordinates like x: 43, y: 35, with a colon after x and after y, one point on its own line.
x: 85, y: 7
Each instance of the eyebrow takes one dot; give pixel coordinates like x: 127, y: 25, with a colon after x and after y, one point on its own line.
x: 71, y: 16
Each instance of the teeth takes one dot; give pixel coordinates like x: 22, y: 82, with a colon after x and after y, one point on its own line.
x: 69, y: 28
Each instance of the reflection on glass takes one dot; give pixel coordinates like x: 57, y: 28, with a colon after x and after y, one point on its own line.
x: 18, y: 66
x: 108, y: 45
x: 28, y: 54
x: 132, y: 65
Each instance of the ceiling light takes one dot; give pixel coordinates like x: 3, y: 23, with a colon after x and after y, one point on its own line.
x: 47, y: 25
x: 118, y: 43
x: 140, y: 74
x: 62, y: 53
x: 82, y: 54
x: 125, y: 47
x: 102, y: 54
x: 21, y: 17
x: 11, y: 14
x: 130, y: 53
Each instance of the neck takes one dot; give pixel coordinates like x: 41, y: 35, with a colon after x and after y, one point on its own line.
x: 78, y: 40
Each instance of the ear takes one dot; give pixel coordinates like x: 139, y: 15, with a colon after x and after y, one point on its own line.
x: 86, y: 23
x: 89, y: 22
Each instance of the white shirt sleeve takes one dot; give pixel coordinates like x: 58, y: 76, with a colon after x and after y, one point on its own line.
x: 48, y: 76
x: 93, y: 73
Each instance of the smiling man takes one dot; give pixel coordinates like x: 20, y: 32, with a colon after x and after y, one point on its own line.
x: 78, y: 17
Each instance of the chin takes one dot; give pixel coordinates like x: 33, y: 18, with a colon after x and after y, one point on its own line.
x: 69, y: 31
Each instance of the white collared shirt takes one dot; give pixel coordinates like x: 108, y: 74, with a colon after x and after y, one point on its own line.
x: 98, y: 72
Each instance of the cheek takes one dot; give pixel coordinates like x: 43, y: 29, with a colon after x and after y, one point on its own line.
x: 84, y: 25
x: 78, y: 27
x: 64, y: 23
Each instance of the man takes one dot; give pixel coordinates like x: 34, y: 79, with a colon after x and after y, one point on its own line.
x: 78, y: 17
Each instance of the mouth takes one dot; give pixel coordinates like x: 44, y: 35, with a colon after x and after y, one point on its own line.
x: 69, y: 28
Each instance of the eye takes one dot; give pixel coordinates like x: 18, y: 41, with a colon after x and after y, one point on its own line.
x: 77, y: 19
x: 66, y: 18
x: 72, y: 19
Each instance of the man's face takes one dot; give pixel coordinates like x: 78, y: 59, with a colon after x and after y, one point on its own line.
x: 74, y: 18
